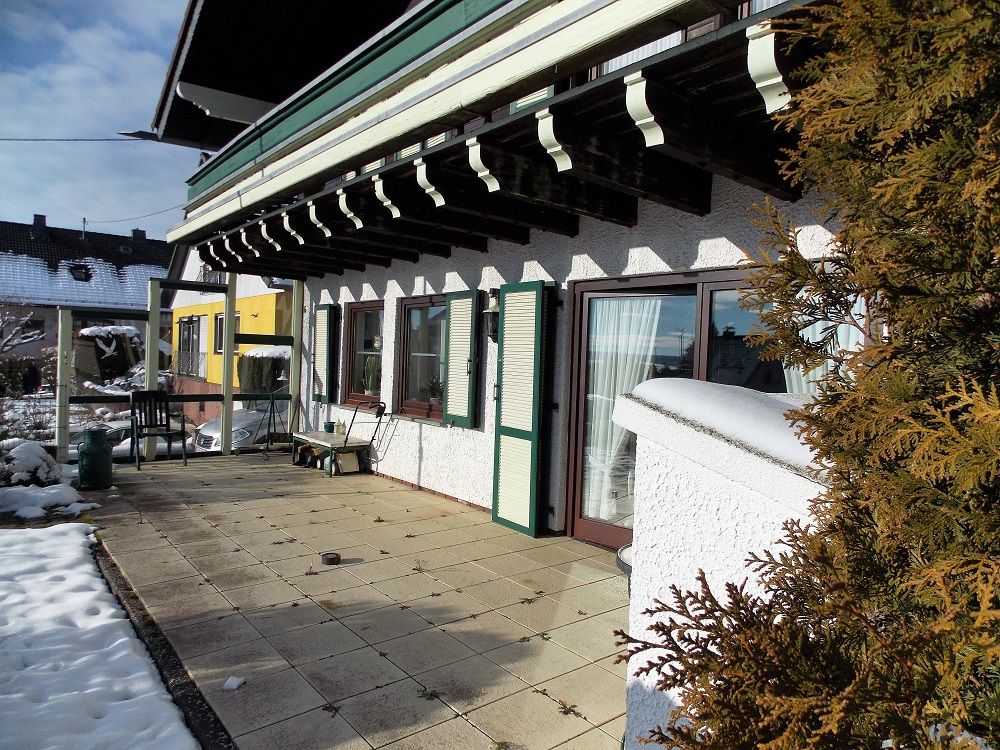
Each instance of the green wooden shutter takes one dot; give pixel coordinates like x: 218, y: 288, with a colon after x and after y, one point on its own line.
x: 461, y: 345
x: 325, y: 354
x: 518, y: 417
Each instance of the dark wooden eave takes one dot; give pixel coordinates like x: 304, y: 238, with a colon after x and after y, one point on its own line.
x: 579, y: 153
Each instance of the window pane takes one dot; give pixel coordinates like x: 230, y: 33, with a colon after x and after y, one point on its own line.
x: 424, y: 363
x: 366, y: 359
x: 731, y: 360
x: 629, y: 340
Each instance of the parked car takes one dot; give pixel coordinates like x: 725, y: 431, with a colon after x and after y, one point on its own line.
x: 119, y: 436
x: 250, y: 427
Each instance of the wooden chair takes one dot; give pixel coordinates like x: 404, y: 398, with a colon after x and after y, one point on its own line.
x: 151, y: 418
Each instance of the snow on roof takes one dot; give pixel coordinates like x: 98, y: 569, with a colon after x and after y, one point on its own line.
x: 31, y: 280
x: 753, y: 419
x: 273, y: 352
x: 109, y: 331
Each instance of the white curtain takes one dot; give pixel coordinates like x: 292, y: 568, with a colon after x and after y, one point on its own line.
x: 848, y: 338
x: 622, y: 338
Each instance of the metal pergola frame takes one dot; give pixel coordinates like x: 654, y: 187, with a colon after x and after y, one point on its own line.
x: 152, y: 318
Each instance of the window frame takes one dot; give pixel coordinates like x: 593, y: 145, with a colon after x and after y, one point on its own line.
x: 193, y: 352
x: 218, y: 336
x: 353, y: 308
x: 424, y: 409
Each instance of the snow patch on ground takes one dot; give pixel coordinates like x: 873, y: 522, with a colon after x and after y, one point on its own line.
x: 755, y: 419
x: 73, y: 672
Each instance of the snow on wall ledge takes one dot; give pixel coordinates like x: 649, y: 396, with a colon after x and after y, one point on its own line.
x: 709, y: 490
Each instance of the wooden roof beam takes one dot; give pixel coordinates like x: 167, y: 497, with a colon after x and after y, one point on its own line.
x: 602, y: 159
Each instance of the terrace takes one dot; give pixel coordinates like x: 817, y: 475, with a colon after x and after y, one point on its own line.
x: 436, y: 630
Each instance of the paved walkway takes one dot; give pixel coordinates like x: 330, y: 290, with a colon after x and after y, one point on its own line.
x: 440, y: 629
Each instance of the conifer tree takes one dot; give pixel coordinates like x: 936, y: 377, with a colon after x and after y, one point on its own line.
x: 881, y: 619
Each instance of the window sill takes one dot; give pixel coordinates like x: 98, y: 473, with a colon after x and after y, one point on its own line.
x: 437, y: 422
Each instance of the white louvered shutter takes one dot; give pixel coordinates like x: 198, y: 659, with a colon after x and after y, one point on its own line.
x: 461, y: 359
x: 324, y: 353
x: 519, y: 380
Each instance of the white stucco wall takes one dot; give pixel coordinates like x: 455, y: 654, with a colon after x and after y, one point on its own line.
x: 459, y: 462
x: 701, y: 502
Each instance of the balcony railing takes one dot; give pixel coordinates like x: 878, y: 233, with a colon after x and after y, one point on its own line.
x: 192, y: 364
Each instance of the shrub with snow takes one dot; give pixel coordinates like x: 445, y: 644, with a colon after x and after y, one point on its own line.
x: 31, y: 481
x: 28, y: 463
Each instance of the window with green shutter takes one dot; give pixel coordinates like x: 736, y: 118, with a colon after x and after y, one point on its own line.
x: 461, y: 359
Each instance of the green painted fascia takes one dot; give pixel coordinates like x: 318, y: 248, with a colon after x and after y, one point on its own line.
x: 435, y: 25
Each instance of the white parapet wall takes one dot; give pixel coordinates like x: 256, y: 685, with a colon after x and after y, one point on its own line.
x: 719, y: 469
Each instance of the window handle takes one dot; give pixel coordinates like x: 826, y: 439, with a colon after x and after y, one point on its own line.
x: 468, y: 366
x: 496, y: 391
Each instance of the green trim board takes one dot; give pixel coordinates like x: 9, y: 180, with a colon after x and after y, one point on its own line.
x: 517, y: 448
x: 461, y: 359
x: 324, y: 354
x: 263, y: 338
x: 438, y: 22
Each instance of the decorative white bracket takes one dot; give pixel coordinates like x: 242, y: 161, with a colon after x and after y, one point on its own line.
x: 211, y: 251
x: 246, y: 242
x: 547, y: 137
x: 346, y: 210
x: 481, y: 170
x: 638, y: 109
x: 763, y: 67
x: 287, y: 223
x: 315, y: 220
x: 426, y: 184
x: 386, y: 201
x: 266, y: 236
x: 229, y: 248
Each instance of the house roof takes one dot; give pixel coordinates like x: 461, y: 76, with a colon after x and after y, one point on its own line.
x: 42, y: 265
x: 245, y: 56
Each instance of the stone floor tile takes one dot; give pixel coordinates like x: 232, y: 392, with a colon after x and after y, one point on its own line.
x: 353, y: 601
x: 615, y: 728
x: 350, y: 673
x: 211, y: 635
x: 535, y: 660
x: 487, y: 631
x: 249, y: 660
x: 477, y: 550
x: 250, y: 575
x: 425, y: 650
x: 232, y: 514
x: 446, y: 538
x: 409, y: 587
x: 473, y: 682
x: 189, y: 536
x: 517, y: 542
x: 215, y: 546
x: 449, y: 735
x: 263, y: 594
x: 292, y: 567
x: 279, y: 618
x: 210, y: 565
x: 592, y: 638
x: 463, y: 574
x: 595, y: 739
x: 487, y: 531
x: 446, y: 607
x: 510, y: 564
x: 430, y: 559
x: 168, y: 591
x: 498, y: 593
x: 140, y: 574
x: 263, y: 701
x: 614, y: 666
x: 596, y: 693
x: 244, y: 526
x: 587, y: 570
x: 124, y: 544
x: 315, y: 642
x: 189, y: 610
x: 551, y: 554
x: 380, y: 570
x: 272, y: 552
x: 260, y: 538
x: 318, y: 729
x: 595, y: 598
x: 385, y: 624
x: 542, y: 615
x: 529, y: 720
x: 353, y: 523
x: 326, y: 581
x: 393, y: 712
x: 545, y: 580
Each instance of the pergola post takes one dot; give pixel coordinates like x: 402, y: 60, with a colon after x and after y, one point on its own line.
x: 152, y: 356
x: 63, y: 362
x: 228, y: 352
x: 295, y: 366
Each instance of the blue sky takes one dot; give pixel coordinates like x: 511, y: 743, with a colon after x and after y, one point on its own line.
x: 87, y: 69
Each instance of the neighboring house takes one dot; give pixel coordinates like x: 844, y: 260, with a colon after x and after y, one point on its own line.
x: 43, y: 268
x: 505, y: 214
x: 262, y: 306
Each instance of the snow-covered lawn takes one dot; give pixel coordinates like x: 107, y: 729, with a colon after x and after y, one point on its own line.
x: 73, y: 674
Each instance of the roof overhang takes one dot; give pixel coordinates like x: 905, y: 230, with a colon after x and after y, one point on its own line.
x: 657, y: 129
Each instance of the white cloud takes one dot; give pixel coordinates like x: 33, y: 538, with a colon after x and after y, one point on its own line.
x: 72, y: 72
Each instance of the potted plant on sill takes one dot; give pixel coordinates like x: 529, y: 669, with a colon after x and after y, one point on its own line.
x: 372, y: 375
x: 434, y: 388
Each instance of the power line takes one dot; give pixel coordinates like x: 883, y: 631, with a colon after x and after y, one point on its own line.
x: 65, y: 140
x: 133, y: 218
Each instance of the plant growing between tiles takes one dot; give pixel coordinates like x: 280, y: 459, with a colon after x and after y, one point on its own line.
x: 881, y: 623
